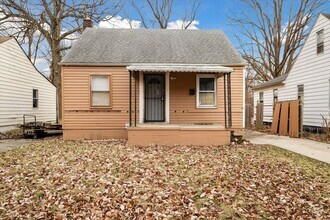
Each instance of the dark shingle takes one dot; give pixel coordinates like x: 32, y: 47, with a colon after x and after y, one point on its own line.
x: 326, y: 15
x: 127, y: 46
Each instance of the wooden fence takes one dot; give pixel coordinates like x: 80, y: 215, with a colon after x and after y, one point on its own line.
x: 286, y: 118
x: 260, y: 116
x: 248, y: 115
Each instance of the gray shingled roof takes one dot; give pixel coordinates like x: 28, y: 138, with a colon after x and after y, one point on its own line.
x: 98, y: 46
x: 272, y: 82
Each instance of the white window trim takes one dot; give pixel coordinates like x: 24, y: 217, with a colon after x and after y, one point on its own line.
x: 109, y: 90
x: 198, y: 76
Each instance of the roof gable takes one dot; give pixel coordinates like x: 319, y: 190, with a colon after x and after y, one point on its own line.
x: 98, y: 46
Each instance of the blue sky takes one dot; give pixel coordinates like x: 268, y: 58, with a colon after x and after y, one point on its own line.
x: 211, y: 15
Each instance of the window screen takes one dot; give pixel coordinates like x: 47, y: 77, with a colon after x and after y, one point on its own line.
x: 100, y: 91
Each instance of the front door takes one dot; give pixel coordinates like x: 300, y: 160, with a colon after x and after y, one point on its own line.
x: 154, y: 98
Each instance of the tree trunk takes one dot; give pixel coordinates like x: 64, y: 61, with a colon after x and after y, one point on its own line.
x: 56, y: 77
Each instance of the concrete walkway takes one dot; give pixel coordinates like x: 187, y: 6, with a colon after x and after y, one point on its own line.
x: 316, y: 150
x: 9, y: 144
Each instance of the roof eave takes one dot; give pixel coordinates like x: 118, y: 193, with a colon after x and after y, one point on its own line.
x: 269, y: 86
x: 129, y: 64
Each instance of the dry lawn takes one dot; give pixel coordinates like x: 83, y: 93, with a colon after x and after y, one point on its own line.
x: 106, y: 180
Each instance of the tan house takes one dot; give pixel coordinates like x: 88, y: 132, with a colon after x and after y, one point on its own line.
x: 153, y: 87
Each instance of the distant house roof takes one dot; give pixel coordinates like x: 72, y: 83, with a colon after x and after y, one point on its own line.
x: 3, y: 39
x: 98, y: 46
x: 326, y: 15
x: 272, y: 82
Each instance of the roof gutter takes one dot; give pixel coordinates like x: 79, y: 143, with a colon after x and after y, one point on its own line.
x: 130, y: 64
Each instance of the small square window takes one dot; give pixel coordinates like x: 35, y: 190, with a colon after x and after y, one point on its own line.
x: 320, y: 41
x: 35, y: 98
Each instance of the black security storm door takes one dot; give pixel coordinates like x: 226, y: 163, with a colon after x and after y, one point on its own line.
x: 154, y: 96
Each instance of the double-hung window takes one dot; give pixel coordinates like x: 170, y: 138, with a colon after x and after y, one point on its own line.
x: 261, y: 97
x: 320, y: 41
x: 275, y: 96
x: 100, y: 91
x: 206, y: 91
x: 35, y: 98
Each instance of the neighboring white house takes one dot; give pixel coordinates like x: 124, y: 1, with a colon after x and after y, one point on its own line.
x: 308, y: 80
x: 23, y: 89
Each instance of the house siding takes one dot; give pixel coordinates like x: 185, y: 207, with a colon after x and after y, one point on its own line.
x: 80, y: 121
x: 183, y: 106
x: 18, y: 78
x: 311, y: 70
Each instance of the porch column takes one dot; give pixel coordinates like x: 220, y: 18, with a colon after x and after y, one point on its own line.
x: 224, y: 98
x: 130, y: 98
x: 135, y: 76
x: 229, y: 100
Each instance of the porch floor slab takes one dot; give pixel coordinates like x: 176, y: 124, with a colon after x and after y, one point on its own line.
x: 178, y: 134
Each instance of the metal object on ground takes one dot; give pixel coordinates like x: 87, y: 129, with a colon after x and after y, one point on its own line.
x: 35, y: 129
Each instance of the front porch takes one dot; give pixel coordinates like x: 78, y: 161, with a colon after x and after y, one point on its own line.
x: 179, y: 105
x: 178, y: 134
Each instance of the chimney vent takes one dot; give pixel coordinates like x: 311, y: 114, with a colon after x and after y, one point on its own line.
x: 88, y: 23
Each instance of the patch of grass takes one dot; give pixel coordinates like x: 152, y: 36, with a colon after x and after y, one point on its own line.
x: 16, y: 131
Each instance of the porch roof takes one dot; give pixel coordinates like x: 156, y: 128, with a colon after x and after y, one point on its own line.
x: 180, y: 68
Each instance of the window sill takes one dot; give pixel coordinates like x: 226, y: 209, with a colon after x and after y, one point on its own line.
x: 100, y: 107
x: 206, y: 107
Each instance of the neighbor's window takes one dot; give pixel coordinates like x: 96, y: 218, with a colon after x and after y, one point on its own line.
x: 300, y: 92
x: 261, y: 97
x: 206, y: 91
x: 275, y: 95
x: 100, y: 91
x: 320, y: 41
x: 35, y: 98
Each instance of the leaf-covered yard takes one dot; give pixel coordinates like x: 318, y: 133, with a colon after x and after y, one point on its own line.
x: 107, y: 179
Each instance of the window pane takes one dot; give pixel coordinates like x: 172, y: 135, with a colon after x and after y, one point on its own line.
x: 320, y: 37
x: 206, y: 84
x: 100, y: 99
x: 35, y: 93
x: 206, y: 98
x: 100, y: 83
x: 35, y: 103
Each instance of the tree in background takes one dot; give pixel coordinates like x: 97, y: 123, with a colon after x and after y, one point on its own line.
x: 271, y: 33
x: 158, y: 13
x: 56, y: 22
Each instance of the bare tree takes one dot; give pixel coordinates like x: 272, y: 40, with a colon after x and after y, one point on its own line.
x: 57, y: 22
x: 271, y: 37
x: 157, y: 13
